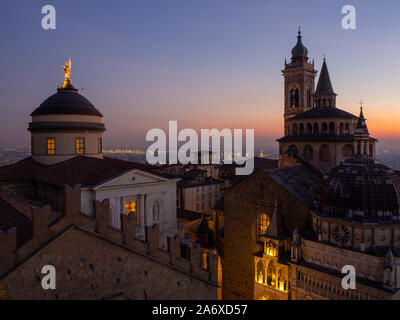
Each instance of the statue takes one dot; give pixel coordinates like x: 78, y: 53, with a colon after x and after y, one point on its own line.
x: 67, y: 73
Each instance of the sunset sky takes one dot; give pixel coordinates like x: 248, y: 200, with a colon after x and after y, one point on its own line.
x: 204, y: 63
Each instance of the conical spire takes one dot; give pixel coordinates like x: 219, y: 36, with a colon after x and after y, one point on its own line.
x: 276, y: 229
x: 361, y: 127
x: 324, y: 85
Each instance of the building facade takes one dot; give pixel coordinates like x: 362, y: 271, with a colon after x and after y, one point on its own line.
x: 315, y: 129
x: 289, y: 232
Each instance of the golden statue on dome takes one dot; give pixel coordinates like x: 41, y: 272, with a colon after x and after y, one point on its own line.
x: 67, y: 73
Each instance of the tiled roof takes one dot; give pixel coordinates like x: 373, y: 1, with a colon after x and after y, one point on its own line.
x: 199, y: 226
x: 326, y: 112
x: 188, y: 214
x: 10, y: 218
x: 86, y: 171
x: 300, y: 181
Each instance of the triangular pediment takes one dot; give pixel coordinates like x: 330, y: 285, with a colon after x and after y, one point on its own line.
x: 132, y: 177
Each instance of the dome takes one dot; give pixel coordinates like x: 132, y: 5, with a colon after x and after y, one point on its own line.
x: 360, y: 189
x: 67, y: 101
x: 299, y: 50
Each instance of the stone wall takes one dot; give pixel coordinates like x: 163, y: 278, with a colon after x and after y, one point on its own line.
x: 95, y: 261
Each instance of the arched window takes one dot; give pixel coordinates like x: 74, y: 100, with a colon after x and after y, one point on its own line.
x: 297, y: 97
x: 309, y: 128
x: 308, y: 152
x: 341, y: 128
x: 295, y: 129
x: 271, y: 274
x: 282, y: 280
x: 324, y: 102
x: 347, y: 151
x: 260, y: 272
x: 301, y: 128
x: 331, y: 128
x: 316, y: 128
x: 324, y: 128
x: 294, y: 97
x: 292, y: 149
x: 324, y: 153
x: 371, y: 150
x: 262, y: 225
x: 365, y: 148
x: 347, y: 128
x: 358, y: 147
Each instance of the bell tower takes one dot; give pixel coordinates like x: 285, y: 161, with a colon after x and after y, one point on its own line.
x: 299, y: 77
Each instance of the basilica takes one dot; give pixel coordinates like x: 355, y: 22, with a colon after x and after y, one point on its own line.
x: 289, y: 231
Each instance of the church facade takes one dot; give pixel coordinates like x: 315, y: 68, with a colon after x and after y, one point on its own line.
x: 315, y: 129
x: 289, y: 232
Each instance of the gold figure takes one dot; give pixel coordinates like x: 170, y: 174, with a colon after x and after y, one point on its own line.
x: 67, y: 73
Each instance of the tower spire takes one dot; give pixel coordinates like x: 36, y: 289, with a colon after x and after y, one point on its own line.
x: 324, y: 95
x: 361, y: 127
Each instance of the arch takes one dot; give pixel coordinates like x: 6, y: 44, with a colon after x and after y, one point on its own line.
x: 347, y: 151
x: 358, y: 147
x: 365, y: 148
x: 347, y: 128
x: 309, y: 128
x: 309, y: 97
x: 324, y: 128
x: 301, y: 128
x: 341, y: 128
x: 260, y: 272
x: 271, y: 274
x: 292, y: 149
x: 328, y: 102
x: 331, y: 127
x: 371, y: 150
x: 297, y: 97
x: 324, y: 153
x: 282, y: 280
x: 308, y: 153
x: 324, y: 102
x: 295, y: 129
x: 292, y: 98
x: 316, y: 128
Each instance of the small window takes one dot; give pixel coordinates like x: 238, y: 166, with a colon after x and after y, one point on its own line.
x: 206, y: 261
x: 185, y: 251
x: 80, y: 145
x: 262, y: 225
x: 100, y: 145
x: 51, y: 146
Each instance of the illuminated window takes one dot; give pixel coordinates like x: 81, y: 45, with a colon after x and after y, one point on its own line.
x: 271, y: 274
x: 51, y: 146
x: 130, y: 206
x: 80, y: 145
x: 206, y: 261
x: 262, y: 225
x: 100, y: 145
